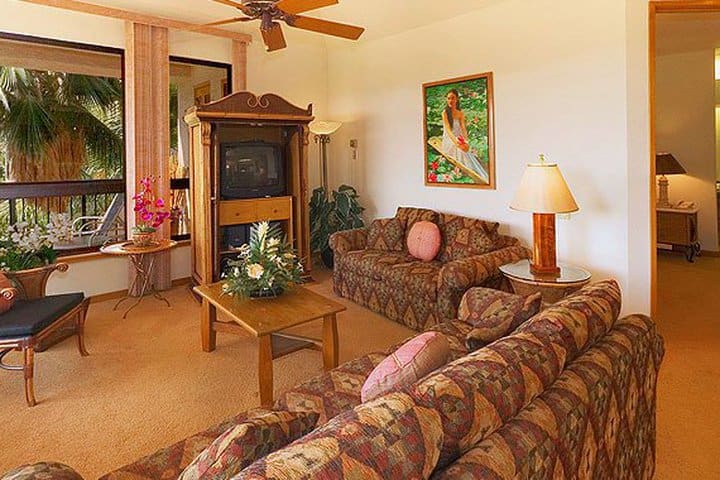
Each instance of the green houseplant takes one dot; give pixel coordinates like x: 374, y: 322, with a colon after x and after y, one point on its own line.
x: 341, y: 210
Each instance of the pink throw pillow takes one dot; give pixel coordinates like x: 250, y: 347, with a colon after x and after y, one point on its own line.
x: 413, y: 360
x: 424, y: 241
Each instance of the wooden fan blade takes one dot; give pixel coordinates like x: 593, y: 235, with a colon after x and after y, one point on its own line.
x: 230, y: 3
x: 327, y: 27
x: 273, y: 37
x: 229, y: 20
x: 294, y: 7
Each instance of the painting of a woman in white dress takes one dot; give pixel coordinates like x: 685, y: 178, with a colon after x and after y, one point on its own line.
x: 458, y: 132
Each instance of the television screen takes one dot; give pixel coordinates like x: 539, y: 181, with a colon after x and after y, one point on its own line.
x: 251, y: 170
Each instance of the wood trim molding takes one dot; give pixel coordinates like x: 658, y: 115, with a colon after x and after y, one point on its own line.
x: 110, y: 12
x: 684, y: 6
x: 655, y: 7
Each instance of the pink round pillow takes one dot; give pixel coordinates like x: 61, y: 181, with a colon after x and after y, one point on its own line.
x: 423, y: 241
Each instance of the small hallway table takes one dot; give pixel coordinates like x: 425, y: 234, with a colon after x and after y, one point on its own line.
x: 265, y: 319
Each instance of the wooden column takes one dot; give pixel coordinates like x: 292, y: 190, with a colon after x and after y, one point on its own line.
x: 147, y: 117
x: 239, y: 66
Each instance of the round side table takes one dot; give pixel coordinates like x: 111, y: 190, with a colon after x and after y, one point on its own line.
x: 143, y: 269
x: 553, y: 288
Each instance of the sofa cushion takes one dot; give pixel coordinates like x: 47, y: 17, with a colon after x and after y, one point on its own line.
x: 412, y: 215
x: 333, y: 392
x: 372, y: 263
x: 478, y: 393
x: 246, y: 442
x: 170, y: 461
x: 494, y: 314
x: 416, y: 358
x: 418, y: 278
x: 41, y: 471
x: 386, y: 234
x: 423, y: 241
x: 597, y: 420
x: 388, y: 438
x: 29, y: 317
x: 464, y: 237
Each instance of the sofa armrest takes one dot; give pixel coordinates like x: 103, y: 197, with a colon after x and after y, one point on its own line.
x: 8, y: 293
x: 42, y: 471
x: 348, y: 240
x: 458, y: 276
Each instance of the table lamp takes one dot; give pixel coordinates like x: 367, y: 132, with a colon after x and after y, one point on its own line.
x: 666, y: 164
x: 322, y: 131
x: 543, y: 192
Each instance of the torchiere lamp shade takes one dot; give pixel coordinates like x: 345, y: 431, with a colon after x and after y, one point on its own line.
x: 544, y: 192
x: 667, y: 164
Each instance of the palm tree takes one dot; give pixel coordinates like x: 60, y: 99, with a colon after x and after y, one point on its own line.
x: 59, y: 126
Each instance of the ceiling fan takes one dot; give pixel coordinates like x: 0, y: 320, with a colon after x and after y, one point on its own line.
x: 271, y: 12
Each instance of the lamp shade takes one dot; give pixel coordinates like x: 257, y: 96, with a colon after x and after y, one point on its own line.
x: 667, y: 164
x: 543, y: 190
x: 324, y: 128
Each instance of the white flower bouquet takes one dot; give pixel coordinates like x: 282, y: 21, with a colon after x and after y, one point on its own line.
x: 265, y: 267
x: 24, y: 245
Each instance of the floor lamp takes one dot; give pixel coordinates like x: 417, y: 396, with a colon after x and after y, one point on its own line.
x: 322, y: 132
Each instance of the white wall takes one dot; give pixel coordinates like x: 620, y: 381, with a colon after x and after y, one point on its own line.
x: 562, y: 77
x: 685, y: 126
x: 298, y: 74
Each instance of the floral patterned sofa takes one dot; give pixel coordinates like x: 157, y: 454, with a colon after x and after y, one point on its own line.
x: 569, y: 394
x: 421, y: 294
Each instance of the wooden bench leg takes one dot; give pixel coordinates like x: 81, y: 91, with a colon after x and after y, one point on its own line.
x: 29, y: 371
x: 82, y: 314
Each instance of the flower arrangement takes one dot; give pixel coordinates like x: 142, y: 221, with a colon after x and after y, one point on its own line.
x: 266, y: 266
x: 24, y: 246
x: 151, y: 212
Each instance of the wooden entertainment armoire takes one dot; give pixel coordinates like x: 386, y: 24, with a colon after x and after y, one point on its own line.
x: 219, y: 222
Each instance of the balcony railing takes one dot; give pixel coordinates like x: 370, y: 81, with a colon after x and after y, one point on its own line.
x: 96, y: 207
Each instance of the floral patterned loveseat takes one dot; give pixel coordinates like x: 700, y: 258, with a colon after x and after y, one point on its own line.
x: 570, y: 394
x: 421, y: 294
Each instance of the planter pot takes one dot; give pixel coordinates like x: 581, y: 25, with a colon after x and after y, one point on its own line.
x: 142, y: 239
x: 328, y: 258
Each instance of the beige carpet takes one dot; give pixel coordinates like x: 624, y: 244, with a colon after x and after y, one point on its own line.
x: 148, y: 384
x: 689, y: 386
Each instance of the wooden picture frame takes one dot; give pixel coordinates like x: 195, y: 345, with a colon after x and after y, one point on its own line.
x: 451, y: 159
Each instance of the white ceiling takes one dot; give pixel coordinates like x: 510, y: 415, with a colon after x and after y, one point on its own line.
x: 380, y: 17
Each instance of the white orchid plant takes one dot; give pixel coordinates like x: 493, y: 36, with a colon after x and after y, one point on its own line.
x: 266, y: 266
x: 24, y: 245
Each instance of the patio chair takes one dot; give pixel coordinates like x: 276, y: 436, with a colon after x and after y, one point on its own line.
x: 95, y: 230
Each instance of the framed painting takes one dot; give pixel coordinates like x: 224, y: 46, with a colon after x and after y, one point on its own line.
x: 459, y: 132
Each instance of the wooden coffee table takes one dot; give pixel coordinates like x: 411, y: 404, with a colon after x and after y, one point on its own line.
x: 266, y: 318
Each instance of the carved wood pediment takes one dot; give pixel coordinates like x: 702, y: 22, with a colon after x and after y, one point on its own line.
x: 249, y: 105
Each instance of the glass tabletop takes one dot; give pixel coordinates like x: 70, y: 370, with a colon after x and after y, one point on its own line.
x: 568, y: 273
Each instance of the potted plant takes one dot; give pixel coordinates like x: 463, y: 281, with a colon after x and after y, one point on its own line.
x: 267, y: 266
x: 151, y: 213
x: 27, y: 255
x: 333, y: 213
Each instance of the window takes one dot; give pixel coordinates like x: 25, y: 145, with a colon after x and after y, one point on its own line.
x: 62, y: 138
x: 192, y: 82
